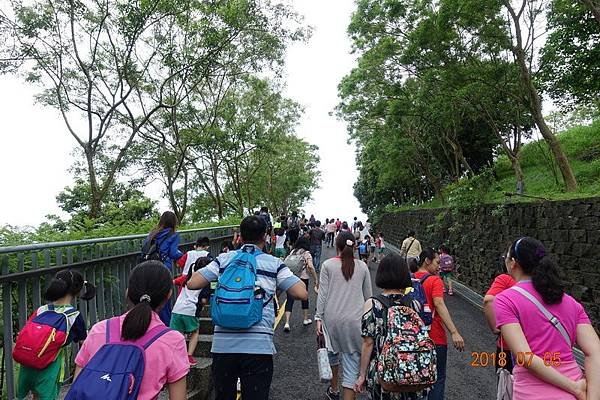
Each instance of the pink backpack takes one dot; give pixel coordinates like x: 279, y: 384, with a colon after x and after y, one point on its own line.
x: 446, y: 263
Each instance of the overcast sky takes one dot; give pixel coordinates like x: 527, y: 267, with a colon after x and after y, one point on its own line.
x: 36, y: 148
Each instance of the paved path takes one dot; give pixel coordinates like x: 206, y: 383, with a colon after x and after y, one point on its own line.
x: 296, y: 377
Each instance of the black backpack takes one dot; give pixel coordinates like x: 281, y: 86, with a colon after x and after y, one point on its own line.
x: 151, y: 250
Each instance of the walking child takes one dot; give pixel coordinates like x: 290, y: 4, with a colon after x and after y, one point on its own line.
x: 446, y: 268
x: 188, y: 306
x: 135, y: 351
x: 280, y: 240
x: 42, y: 364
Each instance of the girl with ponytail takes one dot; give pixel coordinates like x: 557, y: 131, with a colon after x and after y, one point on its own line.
x: 148, y: 290
x: 62, y: 291
x: 537, y: 316
x: 345, y: 285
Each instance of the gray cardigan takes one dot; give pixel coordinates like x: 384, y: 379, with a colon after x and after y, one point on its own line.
x: 340, y: 304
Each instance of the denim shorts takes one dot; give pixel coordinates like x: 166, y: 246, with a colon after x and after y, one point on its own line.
x: 350, y: 365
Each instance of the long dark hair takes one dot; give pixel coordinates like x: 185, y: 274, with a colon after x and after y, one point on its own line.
x: 344, y: 243
x: 168, y: 220
x: 70, y: 282
x: 427, y: 253
x: 302, y: 243
x: 149, y: 286
x: 533, y: 258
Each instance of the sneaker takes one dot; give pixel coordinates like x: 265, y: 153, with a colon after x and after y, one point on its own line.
x: 286, y: 328
x: 192, y: 361
x: 331, y: 395
x: 450, y: 292
x: 445, y: 290
x: 307, y: 322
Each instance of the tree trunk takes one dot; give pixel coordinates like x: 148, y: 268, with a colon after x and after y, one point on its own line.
x: 535, y: 105
x: 95, y: 198
x: 594, y: 8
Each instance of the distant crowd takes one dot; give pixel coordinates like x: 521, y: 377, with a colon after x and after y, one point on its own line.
x: 392, y: 346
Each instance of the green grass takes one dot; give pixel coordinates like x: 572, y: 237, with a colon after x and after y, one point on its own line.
x: 582, y: 147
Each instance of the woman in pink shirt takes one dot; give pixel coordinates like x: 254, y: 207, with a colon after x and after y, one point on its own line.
x: 166, y: 361
x: 545, y: 367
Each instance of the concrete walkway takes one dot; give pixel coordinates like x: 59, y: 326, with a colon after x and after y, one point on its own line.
x: 296, y: 376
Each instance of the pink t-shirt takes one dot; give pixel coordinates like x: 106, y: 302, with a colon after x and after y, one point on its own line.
x: 166, y: 359
x: 512, y: 307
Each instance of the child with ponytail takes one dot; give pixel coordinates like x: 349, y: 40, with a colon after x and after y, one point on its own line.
x: 42, y: 373
x: 165, y: 354
x: 541, y: 324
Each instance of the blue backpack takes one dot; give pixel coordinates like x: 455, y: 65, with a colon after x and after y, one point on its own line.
x: 362, y: 248
x: 238, y: 302
x: 116, y: 370
x: 418, y: 293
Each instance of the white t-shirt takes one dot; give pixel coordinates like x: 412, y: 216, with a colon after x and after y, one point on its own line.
x: 280, y: 242
x: 192, y: 257
x: 186, y: 302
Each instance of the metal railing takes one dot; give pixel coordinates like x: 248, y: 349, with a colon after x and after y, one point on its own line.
x: 25, y: 271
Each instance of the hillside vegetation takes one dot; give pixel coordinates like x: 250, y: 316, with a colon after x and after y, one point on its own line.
x: 542, y: 178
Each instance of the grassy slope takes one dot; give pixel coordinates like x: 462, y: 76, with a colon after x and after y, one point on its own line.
x: 582, y: 146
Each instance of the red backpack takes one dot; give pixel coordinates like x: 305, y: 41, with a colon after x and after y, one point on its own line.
x: 44, y: 333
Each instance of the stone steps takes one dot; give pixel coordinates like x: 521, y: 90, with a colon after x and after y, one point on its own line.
x: 204, y: 346
x: 206, y: 326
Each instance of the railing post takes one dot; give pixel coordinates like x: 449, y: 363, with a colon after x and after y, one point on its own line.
x: 8, y: 332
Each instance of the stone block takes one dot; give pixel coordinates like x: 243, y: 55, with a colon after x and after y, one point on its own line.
x: 593, y: 236
x: 581, y: 249
x: 576, y: 235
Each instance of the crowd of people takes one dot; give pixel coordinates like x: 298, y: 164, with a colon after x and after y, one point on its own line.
x: 393, y: 345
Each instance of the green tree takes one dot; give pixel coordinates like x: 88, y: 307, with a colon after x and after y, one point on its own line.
x: 571, y: 56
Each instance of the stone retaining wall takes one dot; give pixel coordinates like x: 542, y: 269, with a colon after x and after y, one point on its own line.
x: 570, y: 230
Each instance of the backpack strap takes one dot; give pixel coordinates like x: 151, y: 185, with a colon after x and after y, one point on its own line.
x: 113, y: 333
x: 152, y: 336
x: 549, y: 316
x: 424, y: 278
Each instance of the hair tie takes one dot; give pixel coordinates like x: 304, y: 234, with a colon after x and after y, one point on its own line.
x: 540, y: 252
x: 349, y: 243
x: 145, y: 297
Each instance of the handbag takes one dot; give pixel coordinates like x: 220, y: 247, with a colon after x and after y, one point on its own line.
x: 325, y: 373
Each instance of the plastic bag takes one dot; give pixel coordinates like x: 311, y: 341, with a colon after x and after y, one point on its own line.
x: 505, y: 384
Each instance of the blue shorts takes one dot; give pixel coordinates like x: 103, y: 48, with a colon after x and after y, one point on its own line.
x: 350, y: 366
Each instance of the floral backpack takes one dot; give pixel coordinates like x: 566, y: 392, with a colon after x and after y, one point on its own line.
x: 407, y: 359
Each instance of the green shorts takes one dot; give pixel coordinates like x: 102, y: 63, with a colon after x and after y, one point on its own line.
x: 281, y: 253
x: 446, y: 274
x: 184, y: 323
x: 43, y: 382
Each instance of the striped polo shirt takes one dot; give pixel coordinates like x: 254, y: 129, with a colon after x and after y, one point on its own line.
x: 271, y: 275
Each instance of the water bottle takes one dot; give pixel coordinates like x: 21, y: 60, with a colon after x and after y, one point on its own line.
x: 427, y: 310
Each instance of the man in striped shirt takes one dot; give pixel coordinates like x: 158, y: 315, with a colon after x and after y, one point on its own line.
x: 247, y: 354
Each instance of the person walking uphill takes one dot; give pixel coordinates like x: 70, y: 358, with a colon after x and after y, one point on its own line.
x: 41, y: 361
x: 108, y: 365
x: 411, y: 247
x: 429, y: 262
x: 162, y: 244
x: 537, y: 316
x: 345, y: 285
x: 245, y: 352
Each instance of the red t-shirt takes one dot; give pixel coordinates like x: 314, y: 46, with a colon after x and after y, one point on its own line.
x: 434, y: 287
x: 500, y: 284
